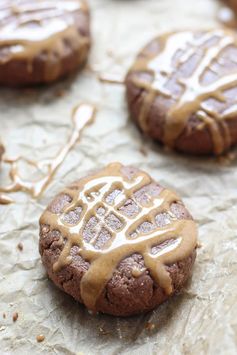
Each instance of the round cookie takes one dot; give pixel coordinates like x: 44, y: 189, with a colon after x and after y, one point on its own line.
x: 118, y: 242
x: 182, y: 88
x: 42, y: 41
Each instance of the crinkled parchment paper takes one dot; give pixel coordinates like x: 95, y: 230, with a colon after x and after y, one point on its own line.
x: 203, y: 320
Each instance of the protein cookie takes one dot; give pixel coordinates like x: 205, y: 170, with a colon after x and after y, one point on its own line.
x: 182, y: 88
x: 118, y: 242
x: 42, y: 41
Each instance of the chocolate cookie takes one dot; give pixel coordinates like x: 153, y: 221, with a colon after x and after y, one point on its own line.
x: 42, y: 41
x: 118, y: 242
x: 182, y: 88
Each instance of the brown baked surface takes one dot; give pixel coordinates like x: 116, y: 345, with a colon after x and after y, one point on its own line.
x: 42, y: 41
x: 124, y: 294
x: 181, y: 91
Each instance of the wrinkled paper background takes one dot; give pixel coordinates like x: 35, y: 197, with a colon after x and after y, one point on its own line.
x: 36, y: 123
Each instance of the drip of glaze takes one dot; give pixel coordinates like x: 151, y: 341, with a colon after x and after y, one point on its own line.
x: 137, y: 272
x: 40, y: 28
x: 111, y: 79
x: 194, y: 93
x: 104, y: 262
x: 5, y: 200
x: 82, y: 116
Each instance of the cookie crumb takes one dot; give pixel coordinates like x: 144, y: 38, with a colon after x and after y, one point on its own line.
x: 20, y: 246
x: 40, y: 338
x: 149, y: 326
x: 2, y: 328
x: 15, y: 317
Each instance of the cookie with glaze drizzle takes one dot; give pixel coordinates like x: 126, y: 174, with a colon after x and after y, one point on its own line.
x: 182, y: 88
x: 42, y: 41
x: 117, y: 241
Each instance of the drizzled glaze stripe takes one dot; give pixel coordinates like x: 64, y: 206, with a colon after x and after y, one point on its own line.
x: 194, y: 94
x: 90, y: 195
x: 4, y: 200
x: 82, y: 116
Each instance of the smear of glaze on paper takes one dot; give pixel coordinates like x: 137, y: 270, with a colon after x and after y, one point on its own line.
x: 82, y: 116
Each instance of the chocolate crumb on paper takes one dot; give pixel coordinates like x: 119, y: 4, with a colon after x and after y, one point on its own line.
x: 20, y: 246
x: 40, y: 338
x: 15, y: 316
x: 82, y: 116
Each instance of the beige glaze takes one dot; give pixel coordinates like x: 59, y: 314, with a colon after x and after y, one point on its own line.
x: 111, y: 79
x: 90, y: 195
x: 29, y: 29
x: 5, y: 200
x: 137, y: 272
x: 194, y: 93
x: 82, y: 116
